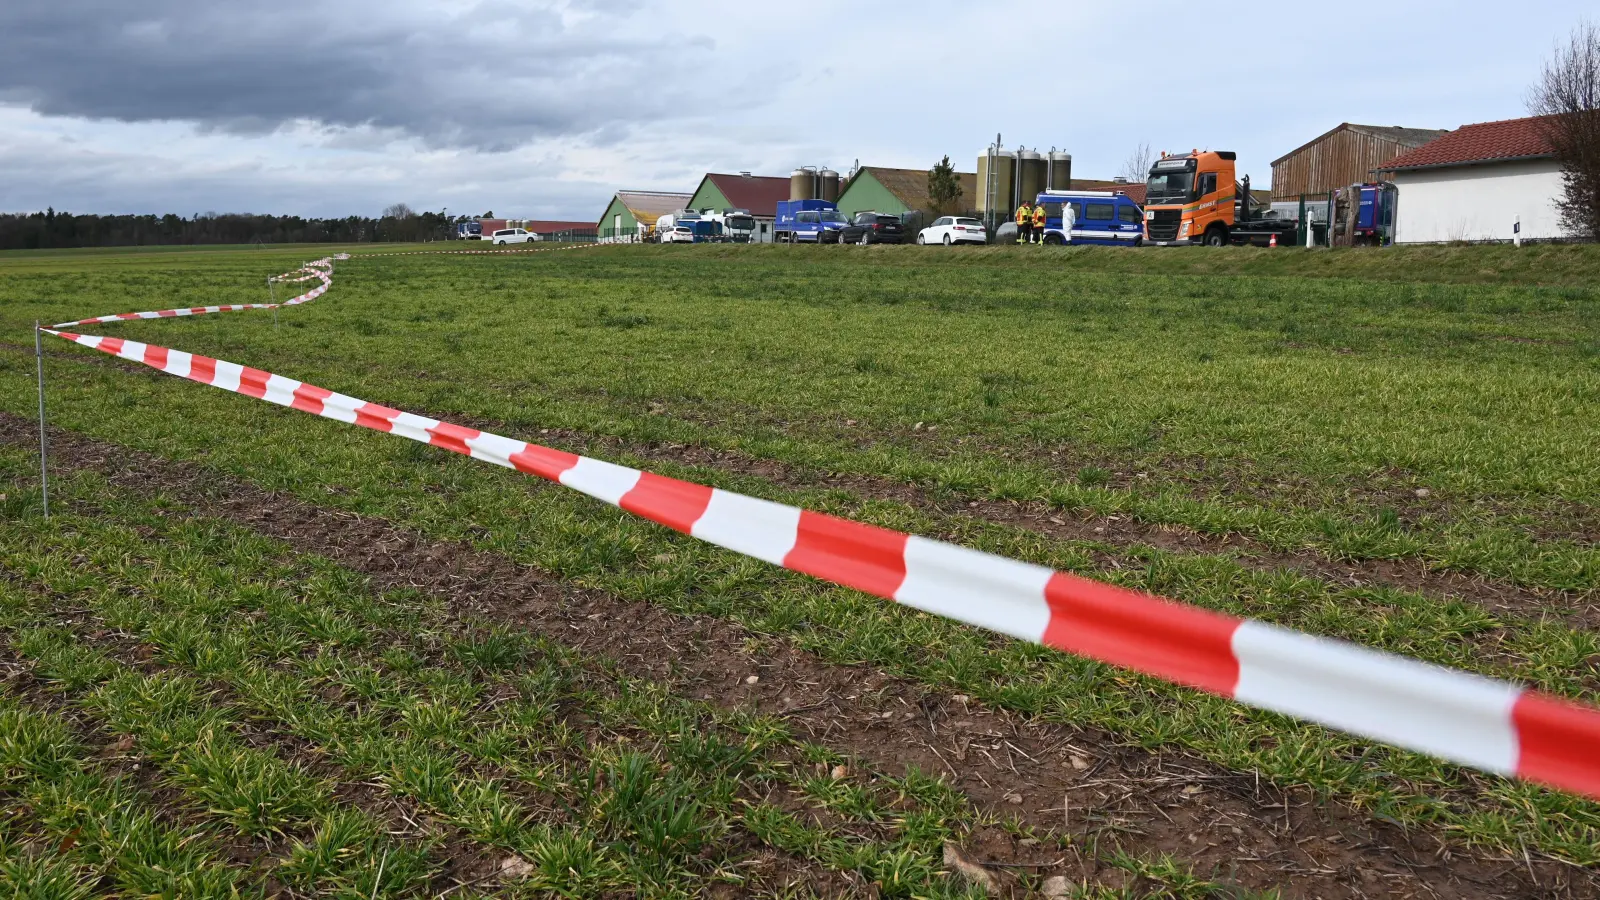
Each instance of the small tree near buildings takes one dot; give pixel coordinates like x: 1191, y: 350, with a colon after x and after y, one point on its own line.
x: 1568, y: 96
x: 944, y: 188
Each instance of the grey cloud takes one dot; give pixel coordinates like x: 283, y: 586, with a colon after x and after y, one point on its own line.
x: 487, y: 76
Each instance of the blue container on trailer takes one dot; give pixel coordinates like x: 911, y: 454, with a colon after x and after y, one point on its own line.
x: 807, y: 221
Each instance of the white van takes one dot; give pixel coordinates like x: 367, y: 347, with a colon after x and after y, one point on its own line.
x: 513, y: 236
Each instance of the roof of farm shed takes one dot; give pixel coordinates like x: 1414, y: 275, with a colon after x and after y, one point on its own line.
x: 1405, y: 137
x: 757, y: 193
x: 648, y: 206
x: 910, y: 186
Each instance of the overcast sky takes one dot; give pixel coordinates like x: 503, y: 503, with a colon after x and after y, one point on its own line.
x: 543, y: 109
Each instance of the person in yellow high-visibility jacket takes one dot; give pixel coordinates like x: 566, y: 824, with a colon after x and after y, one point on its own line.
x: 1039, y: 217
x: 1024, y: 223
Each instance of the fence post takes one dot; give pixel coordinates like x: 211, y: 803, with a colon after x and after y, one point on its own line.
x: 44, y: 467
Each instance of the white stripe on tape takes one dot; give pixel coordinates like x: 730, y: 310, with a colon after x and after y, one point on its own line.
x: 601, y: 480
x: 758, y: 528
x: 992, y: 591
x: 1453, y: 715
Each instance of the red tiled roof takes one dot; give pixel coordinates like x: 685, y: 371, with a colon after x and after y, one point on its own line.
x: 1134, y: 190
x: 540, y: 226
x: 757, y: 193
x: 1484, y: 142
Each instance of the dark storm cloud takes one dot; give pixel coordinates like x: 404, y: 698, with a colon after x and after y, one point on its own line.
x: 486, y: 76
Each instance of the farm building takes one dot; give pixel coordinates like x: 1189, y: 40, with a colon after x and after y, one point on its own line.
x: 556, y: 230
x: 1474, y: 183
x: 1134, y: 190
x: 755, y: 194
x: 1349, y: 154
x: 899, y: 191
x: 632, y: 214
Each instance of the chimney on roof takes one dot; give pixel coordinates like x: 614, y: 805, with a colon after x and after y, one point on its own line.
x: 744, y: 175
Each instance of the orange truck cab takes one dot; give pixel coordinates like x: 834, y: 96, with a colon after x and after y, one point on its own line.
x: 1189, y: 199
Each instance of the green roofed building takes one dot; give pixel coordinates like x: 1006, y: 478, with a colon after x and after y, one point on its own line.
x: 899, y: 191
x: 632, y: 214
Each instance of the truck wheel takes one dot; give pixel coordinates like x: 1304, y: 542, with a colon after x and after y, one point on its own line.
x: 1216, y: 236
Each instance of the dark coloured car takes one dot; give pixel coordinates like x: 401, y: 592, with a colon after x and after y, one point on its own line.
x: 873, y: 228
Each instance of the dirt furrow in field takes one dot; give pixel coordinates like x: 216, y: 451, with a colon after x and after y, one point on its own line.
x: 1578, y: 609
x: 1054, y: 777
x: 1581, y: 611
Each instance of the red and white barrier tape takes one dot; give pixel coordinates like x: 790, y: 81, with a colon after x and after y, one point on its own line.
x: 478, y: 252
x: 1480, y: 722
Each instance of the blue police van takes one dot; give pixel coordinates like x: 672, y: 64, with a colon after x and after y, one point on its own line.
x: 1099, y: 217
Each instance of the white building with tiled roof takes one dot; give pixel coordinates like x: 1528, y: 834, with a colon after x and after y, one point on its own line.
x: 1476, y: 183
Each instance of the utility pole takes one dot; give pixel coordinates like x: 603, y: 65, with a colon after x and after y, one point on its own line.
x: 44, y: 468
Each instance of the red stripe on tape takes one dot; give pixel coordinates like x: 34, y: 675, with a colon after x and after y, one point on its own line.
x: 673, y: 503
x: 1115, y: 625
x: 378, y: 418
x: 452, y: 437
x: 167, y: 312
x: 1556, y: 743
x: 155, y: 356
x: 309, y: 397
x: 864, y: 557
x: 112, y: 346
x: 202, y: 369
x: 253, y: 382
x: 543, y: 461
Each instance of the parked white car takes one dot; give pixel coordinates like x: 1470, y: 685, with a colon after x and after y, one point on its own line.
x: 513, y: 236
x: 949, y: 230
x: 677, y: 234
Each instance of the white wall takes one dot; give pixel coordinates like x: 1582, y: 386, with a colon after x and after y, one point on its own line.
x: 1479, y: 203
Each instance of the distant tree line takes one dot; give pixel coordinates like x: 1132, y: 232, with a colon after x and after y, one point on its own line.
x: 51, y: 229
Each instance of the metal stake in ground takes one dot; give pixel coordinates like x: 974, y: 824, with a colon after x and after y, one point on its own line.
x: 272, y: 288
x: 44, y: 469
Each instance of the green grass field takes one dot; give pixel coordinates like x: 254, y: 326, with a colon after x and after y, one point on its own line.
x: 222, y: 678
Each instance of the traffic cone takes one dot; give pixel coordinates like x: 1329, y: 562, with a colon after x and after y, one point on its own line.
x: 1273, y: 242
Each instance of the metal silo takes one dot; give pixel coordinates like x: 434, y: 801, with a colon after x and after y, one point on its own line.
x: 802, y: 184
x: 1058, y: 174
x: 1030, y: 175
x: 997, y: 192
x: 829, y: 185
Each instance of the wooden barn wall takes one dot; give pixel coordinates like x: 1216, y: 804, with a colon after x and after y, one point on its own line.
x: 1344, y: 158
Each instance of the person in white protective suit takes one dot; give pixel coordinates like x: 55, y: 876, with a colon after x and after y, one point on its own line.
x: 1069, y: 218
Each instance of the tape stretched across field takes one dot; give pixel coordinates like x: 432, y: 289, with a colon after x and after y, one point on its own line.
x: 1490, y: 725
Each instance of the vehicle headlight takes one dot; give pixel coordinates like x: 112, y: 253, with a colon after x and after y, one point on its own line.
x: 1184, y: 230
